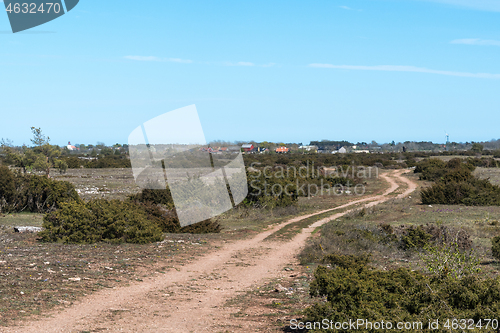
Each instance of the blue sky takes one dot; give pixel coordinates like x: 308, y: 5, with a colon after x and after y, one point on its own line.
x: 290, y: 71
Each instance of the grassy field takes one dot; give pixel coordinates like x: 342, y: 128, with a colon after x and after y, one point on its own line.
x: 492, y: 174
x: 100, y: 183
x: 21, y: 219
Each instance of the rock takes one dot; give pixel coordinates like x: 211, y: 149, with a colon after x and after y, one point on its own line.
x: 279, y: 288
x: 27, y: 229
x: 76, y: 279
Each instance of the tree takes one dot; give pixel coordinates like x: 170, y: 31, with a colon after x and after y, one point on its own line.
x: 45, y: 152
x: 477, y: 147
x: 61, y: 165
x: 20, y: 157
x: 40, y: 157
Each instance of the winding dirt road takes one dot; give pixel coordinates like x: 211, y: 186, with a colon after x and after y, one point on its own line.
x: 191, y: 299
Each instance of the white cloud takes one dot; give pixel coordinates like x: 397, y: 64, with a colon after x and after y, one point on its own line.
x: 349, y: 8
x: 182, y: 61
x: 487, y: 5
x: 185, y: 61
x: 413, y: 69
x: 240, y: 63
x: 476, y: 41
x: 151, y: 58
x: 142, y: 58
x: 244, y: 63
x: 271, y: 64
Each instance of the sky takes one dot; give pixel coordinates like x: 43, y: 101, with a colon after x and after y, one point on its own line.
x: 280, y: 71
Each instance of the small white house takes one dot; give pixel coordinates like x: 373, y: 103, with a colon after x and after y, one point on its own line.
x: 309, y: 148
x: 340, y: 151
x: 70, y: 147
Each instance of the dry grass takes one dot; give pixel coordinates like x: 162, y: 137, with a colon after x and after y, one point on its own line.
x: 35, y: 277
x: 493, y: 174
x: 101, y: 183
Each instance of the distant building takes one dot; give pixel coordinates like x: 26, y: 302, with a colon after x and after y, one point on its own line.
x: 309, y: 148
x: 247, y: 147
x: 323, y: 150
x: 282, y: 150
x: 340, y: 151
x: 70, y: 147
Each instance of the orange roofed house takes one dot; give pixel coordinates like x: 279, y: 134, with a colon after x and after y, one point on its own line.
x: 282, y: 150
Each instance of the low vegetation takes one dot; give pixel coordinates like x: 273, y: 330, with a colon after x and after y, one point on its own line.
x: 33, y: 193
x: 455, y: 184
x: 354, y: 290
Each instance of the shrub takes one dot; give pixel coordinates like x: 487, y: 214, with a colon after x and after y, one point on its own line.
x: 159, y: 206
x: 100, y: 220
x: 450, y: 261
x: 41, y: 194
x: 435, y: 169
x: 7, y: 188
x: 203, y: 227
x: 471, y: 192
x: 61, y: 165
x: 495, y: 247
x: 33, y: 193
x: 154, y: 196
x: 271, y: 192
x: 111, y: 161
x: 72, y: 162
x: 410, y: 296
x: 354, y: 262
x: 430, y: 169
x: 457, y: 185
x: 415, y: 238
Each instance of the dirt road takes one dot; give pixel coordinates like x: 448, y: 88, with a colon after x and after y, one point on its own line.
x: 191, y: 298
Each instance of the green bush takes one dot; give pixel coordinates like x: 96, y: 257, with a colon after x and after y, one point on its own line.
x: 159, y: 206
x: 471, y: 192
x: 154, y: 196
x: 455, y: 184
x: 431, y: 169
x: 33, y: 193
x: 7, y: 188
x: 73, y: 162
x: 495, y: 247
x: 353, y: 262
x: 450, y: 261
x: 400, y: 295
x: 435, y: 169
x: 41, y: 194
x: 271, y: 192
x: 415, y: 238
x: 100, y: 221
x: 112, y: 161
